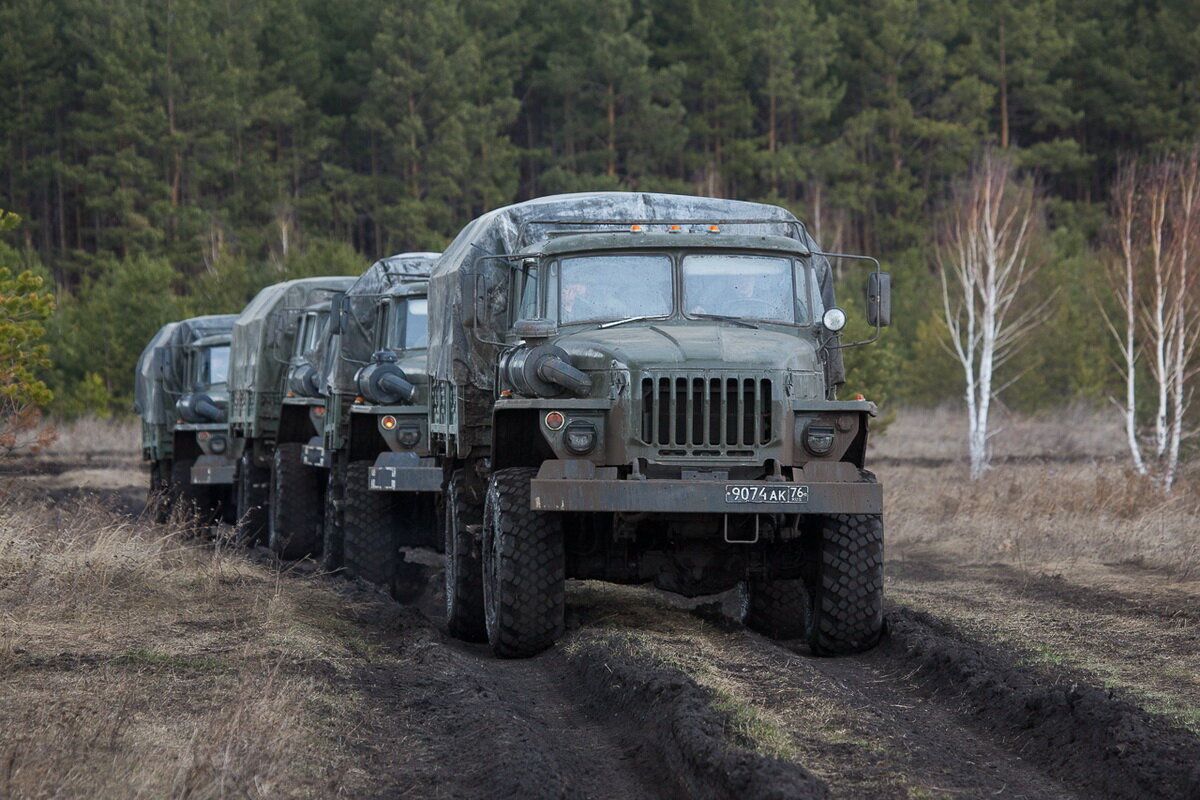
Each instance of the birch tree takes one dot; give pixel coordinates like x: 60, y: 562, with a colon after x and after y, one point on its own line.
x: 986, y: 257
x: 1153, y: 275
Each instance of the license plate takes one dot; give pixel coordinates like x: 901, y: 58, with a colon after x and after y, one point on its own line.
x: 735, y: 493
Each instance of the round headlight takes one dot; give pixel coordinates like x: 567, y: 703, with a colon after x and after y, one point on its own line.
x: 388, y: 422
x: 834, y: 319
x: 410, y: 434
x: 555, y: 420
x: 217, y: 444
x: 580, y: 437
x: 818, y: 439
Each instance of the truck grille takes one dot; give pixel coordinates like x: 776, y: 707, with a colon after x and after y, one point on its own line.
x: 700, y: 414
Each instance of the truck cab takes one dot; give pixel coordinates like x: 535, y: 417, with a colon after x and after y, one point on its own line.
x: 382, y: 479
x: 181, y: 395
x: 664, y: 410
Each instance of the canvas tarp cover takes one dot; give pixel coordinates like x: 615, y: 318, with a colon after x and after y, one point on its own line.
x: 462, y: 355
x: 156, y: 388
x: 342, y: 356
x: 264, y: 332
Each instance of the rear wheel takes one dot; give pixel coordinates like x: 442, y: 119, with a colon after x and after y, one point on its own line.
x: 252, y: 495
x: 464, y: 572
x: 370, y: 522
x: 776, y: 608
x: 296, y: 509
x: 847, y: 594
x: 524, y: 568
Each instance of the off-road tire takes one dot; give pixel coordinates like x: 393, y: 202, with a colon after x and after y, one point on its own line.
x: 524, y: 567
x: 252, y: 495
x: 847, y: 593
x: 371, y: 550
x: 296, y: 509
x: 776, y: 608
x: 184, y: 497
x: 158, y: 498
x: 332, y: 547
x: 464, y: 570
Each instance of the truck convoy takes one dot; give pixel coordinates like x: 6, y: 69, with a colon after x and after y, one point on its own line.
x: 629, y: 387
x: 180, y: 393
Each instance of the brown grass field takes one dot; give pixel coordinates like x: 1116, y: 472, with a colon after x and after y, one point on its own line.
x: 138, y: 661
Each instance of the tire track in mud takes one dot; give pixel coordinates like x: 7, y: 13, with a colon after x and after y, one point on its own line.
x: 588, y: 719
x: 929, y: 712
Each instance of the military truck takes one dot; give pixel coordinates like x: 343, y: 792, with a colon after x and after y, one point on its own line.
x: 381, y: 478
x: 643, y: 388
x: 180, y: 394
x: 275, y: 409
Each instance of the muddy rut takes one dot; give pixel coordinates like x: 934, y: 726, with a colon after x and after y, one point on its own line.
x: 989, y: 684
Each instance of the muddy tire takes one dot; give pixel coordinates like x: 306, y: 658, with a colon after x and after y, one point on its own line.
x: 777, y: 608
x: 524, y: 568
x: 464, y: 570
x: 847, y: 593
x: 158, y: 499
x: 186, y: 498
x: 296, y: 510
x: 370, y: 548
x: 252, y: 494
x: 332, y: 546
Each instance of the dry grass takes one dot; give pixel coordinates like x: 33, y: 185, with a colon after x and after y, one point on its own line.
x: 1064, y: 494
x: 136, y: 664
x: 117, y: 436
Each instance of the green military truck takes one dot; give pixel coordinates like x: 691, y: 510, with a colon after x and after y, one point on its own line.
x: 382, y: 479
x: 642, y: 388
x: 275, y: 410
x: 180, y: 394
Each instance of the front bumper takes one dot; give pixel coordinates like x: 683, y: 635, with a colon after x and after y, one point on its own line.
x: 555, y: 489
x: 404, y: 472
x: 213, y: 470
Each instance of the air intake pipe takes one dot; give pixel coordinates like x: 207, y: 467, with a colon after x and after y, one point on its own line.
x: 382, y: 381
x: 543, y: 371
x: 199, y: 407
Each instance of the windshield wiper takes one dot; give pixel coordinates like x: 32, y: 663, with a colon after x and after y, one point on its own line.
x: 617, y: 322
x: 724, y: 318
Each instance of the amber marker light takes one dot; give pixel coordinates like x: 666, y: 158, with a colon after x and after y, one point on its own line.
x: 674, y: 229
x: 555, y: 420
x: 860, y: 397
x: 635, y: 228
x: 714, y: 228
x: 388, y: 422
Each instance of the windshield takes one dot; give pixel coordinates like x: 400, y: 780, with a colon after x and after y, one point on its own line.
x: 601, y: 288
x: 410, y: 324
x: 762, y: 288
x: 214, y: 364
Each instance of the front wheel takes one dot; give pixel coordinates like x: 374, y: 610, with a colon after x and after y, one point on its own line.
x: 370, y: 523
x: 524, y: 568
x: 464, y: 572
x: 296, y: 509
x: 847, y: 595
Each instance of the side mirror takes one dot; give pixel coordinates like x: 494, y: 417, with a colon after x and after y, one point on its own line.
x: 336, y: 304
x: 879, y: 299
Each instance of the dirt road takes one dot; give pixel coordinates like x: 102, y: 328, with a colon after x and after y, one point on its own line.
x: 992, y: 682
